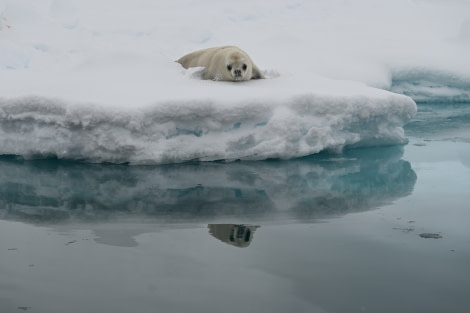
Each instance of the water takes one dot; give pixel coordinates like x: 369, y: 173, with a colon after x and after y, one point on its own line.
x: 328, y: 233
x: 441, y: 121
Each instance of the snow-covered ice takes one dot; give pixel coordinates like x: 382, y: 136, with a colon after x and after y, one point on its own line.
x: 202, y: 128
x: 97, y: 81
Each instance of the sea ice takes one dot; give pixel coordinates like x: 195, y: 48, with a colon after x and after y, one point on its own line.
x: 97, y: 81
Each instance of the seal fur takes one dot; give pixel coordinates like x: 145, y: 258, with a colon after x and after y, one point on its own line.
x: 226, y: 63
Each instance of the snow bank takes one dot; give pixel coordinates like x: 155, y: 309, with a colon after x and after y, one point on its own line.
x: 256, y: 126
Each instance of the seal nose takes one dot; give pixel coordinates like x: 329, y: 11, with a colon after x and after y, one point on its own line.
x: 237, y: 73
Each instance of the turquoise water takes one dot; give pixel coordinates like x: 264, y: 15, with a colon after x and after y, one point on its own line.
x: 370, y: 230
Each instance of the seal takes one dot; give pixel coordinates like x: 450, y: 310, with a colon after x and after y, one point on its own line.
x: 227, y: 63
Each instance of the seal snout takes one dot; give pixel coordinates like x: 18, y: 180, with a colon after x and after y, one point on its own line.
x: 237, y: 73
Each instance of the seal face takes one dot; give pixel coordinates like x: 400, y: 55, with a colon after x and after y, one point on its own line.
x: 227, y: 63
x: 237, y: 65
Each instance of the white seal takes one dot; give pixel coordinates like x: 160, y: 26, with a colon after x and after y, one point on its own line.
x: 228, y: 63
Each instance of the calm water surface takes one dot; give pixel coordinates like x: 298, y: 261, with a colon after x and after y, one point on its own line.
x: 371, y: 230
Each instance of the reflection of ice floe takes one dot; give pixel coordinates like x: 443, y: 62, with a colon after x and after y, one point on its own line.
x: 316, y: 187
x: 234, y: 234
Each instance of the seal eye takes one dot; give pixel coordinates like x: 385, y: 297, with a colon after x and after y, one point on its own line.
x: 229, y: 67
x: 244, y: 67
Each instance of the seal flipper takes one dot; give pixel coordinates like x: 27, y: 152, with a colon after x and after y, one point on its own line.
x: 256, y: 73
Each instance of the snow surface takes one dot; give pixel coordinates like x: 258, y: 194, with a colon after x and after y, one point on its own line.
x: 97, y: 81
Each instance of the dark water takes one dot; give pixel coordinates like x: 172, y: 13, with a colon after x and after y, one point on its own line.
x: 371, y: 230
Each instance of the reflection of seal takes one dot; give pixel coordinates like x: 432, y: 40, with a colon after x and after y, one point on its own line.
x: 235, y: 235
x: 228, y: 63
